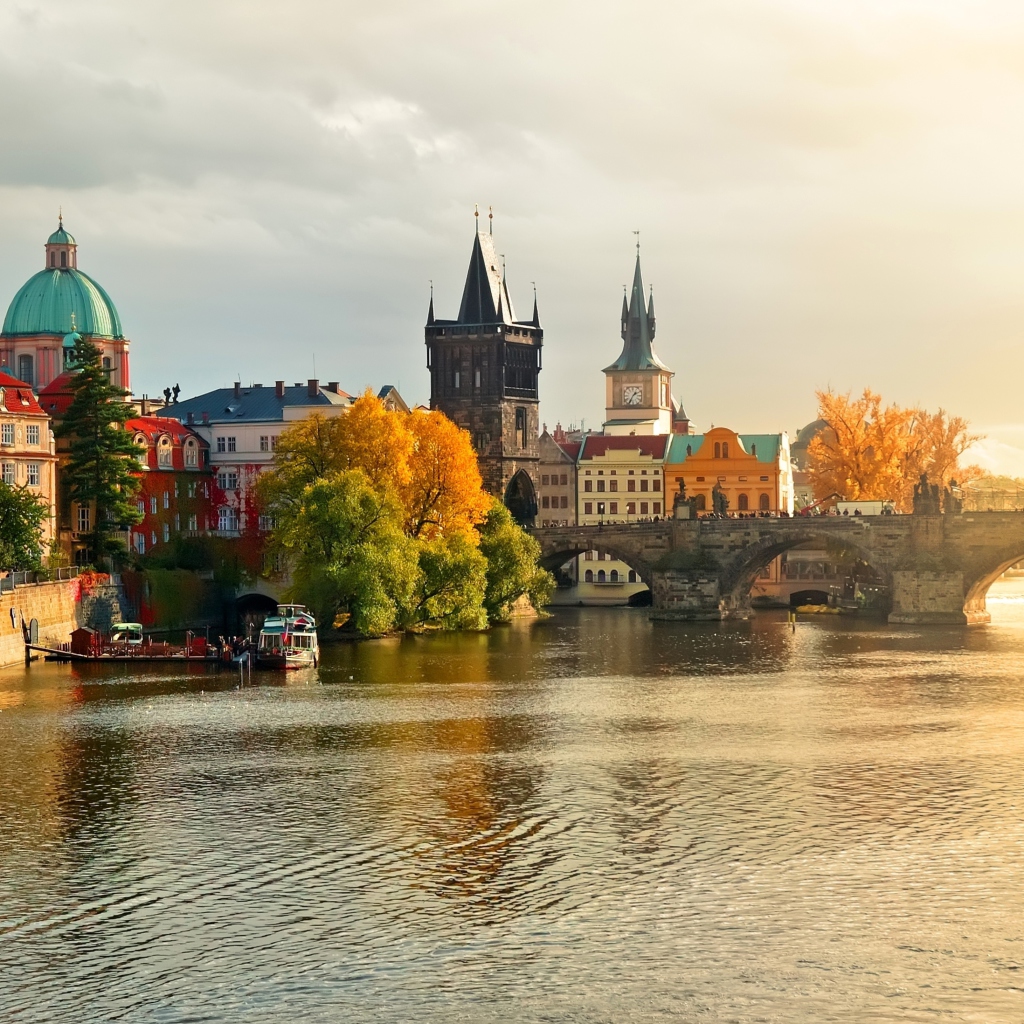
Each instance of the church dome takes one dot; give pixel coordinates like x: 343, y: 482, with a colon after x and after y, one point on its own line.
x: 61, y: 299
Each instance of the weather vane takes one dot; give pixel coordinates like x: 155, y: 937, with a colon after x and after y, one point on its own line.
x: 637, y: 233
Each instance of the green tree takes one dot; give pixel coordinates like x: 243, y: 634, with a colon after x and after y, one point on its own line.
x: 512, y: 565
x: 22, y: 516
x: 453, y: 583
x: 101, y: 470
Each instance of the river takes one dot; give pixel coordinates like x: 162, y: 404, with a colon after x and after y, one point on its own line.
x: 589, y: 818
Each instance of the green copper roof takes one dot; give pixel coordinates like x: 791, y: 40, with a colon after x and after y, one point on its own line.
x: 45, y: 302
x: 764, y: 447
x: 61, y: 237
x: 638, y: 327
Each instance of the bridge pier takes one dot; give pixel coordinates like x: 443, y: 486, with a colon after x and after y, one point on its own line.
x: 693, y: 595
x: 934, y: 598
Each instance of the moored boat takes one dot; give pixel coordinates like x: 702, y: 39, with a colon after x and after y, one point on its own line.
x: 288, y: 639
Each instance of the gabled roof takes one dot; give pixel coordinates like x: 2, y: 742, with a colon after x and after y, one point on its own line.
x: 254, y: 404
x: 766, y: 446
x: 652, y: 445
x: 638, y: 327
x: 57, y: 396
x: 154, y: 426
x: 18, y: 397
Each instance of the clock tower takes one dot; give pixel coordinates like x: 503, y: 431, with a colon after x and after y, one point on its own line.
x: 638, y: 384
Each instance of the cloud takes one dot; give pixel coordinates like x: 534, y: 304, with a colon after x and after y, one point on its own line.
x: 827, y: 194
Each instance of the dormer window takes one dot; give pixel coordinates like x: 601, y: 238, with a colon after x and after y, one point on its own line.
x: 164, y: 452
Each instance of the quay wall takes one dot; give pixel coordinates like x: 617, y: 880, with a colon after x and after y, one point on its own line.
x: 52, y: 604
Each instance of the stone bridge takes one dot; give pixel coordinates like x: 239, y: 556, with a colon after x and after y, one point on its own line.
x: 938, y: 568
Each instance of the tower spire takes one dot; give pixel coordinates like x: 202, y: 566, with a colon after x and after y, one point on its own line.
x: 430, y: 310
x: 637, y: 327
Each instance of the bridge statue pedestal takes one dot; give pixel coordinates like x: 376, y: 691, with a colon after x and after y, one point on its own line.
x: 695, y: 596
x: 934, y: 598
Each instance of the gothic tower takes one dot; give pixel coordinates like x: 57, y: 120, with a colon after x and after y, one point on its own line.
x: 638, y: 384
x: 483, y: 376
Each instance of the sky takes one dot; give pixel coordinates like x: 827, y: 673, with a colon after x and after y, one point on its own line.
x: 827, y: 194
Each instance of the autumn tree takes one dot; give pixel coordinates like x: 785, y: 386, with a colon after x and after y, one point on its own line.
x: 871, y: 451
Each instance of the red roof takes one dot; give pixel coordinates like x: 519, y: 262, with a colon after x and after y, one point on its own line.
x: 598, y: 444
x: 571, y: 448
x: 57, y: 395
x: 154, y: 426
x: 18, y: 396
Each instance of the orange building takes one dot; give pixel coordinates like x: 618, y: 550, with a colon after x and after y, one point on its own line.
x: 753, y: 470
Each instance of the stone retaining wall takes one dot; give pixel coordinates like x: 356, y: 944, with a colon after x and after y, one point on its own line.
x: 52, y: 604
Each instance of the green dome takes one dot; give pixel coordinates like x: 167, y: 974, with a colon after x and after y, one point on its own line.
x: 45, y: 302
x: 61, y: 237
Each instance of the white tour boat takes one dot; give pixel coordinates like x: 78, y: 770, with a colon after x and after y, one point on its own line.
x: 288, y: 639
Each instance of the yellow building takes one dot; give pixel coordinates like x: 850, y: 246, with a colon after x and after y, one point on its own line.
x: 620, y: 479
x: 753, y: 470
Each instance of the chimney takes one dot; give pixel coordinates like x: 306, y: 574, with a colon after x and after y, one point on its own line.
x: 333, y: 386
x: 144, y: 411
x: 313, y: 387
x: 238, y: 389
x: 279, y: 388
x: 191, y: 418
x: 206, y: 418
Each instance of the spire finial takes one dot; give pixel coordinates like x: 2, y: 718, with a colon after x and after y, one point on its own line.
x: 490, y: 220
x: 637, y: 233
x: 60, y: 216
x: 73, y: 327
x: 476, y: 214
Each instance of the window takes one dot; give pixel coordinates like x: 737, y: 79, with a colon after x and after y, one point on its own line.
x: 630, y: 508
x: 643, y: 508
x: 613, y: 508
x: 191, y: 454
x: 164, y: 453
x: 725, y: 449
x: 458, y: 379
x: 231, y: 444
x: 545, y: 502
x: 764, y: 479
x: 167, y: 533
x: 718, y: 449
x: 106, y: 362
x: 193, y: 522
x: 32, y: 434
x: 32, y: 471
x: 140, y: 542
x: 152, y: 505
x: 743, y: 503
x: 564, y: 502
x: 191, y: 490
x: 588, y: 508
x: 765, y: 502
x: 600, y: 508
x: 53, y: 259
x: 602, y: 576
x: 613, y: 485
x: 702, y: 502
x: 267, y: 523
x: 228, y: 481
x: 630, y: 485
x: 152, y: 538
x: 588, y: 485
x: 600, y: 485
x: 700, y: 479
x: 656, y: 484
x: 8, y: 472
x: 26, y: 366
x: 177, y: 522
x: 7, y: 433
x: 544, y: 480
x: 264, y: 442
x: 632, y: 576
x: 64, y: 259
x: 476, y: 378
x: 521, y: 428
x: 753, y: 450
x: 227, y: 519
x: 273, y: 442
x: 644, y: 485
x: 657, y: 508
x: 142, y: 507
x: 167, y: 499
x: 221, y: 444
x: 563, y: 479
x: 614, y: 575
x: 588, y: 576
x: 84, y: 519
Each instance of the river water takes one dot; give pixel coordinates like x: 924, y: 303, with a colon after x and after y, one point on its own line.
x: 591, y: 818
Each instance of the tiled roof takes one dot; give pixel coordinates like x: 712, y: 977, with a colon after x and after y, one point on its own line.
x: 571, y: 448
x: 154, y: 426
x: 57, y: 395
x: 254, y: 404
x: 652, y: 445
x: 18, y: 396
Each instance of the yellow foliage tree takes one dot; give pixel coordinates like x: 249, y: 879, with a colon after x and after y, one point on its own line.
x: 870, y: 451
x: 445, y: 491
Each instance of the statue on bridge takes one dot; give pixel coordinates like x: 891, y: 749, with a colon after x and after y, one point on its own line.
x: 719, y: 502
x: 682, y: 506
x: 953, y: 499
x: 926, y: 498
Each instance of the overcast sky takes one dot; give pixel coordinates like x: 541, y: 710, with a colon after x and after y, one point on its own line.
x: 827, y: 193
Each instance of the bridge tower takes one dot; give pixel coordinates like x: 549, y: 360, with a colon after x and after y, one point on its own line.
x: 638, y: 384
x: 483, y: 376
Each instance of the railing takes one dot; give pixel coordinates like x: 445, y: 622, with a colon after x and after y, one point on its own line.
x: 30, y: 577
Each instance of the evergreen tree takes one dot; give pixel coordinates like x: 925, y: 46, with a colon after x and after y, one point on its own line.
x: 103, y: 464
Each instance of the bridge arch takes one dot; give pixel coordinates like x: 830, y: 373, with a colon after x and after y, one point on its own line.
x: 554, y: 557
x: 978, y: 579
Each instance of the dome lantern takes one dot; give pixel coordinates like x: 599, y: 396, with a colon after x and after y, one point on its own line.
x: 61, y: 249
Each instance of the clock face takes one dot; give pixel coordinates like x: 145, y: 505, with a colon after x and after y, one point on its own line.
x: 632, y: 394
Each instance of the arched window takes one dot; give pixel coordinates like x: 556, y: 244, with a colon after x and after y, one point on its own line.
x: 615, y: 575
x: 26, y: 366
x: 632, y: 575
x: 718, y: 450
x: 191, y: 454
x: 725, y: 449
x: 53, y: 259
x: 164, y: 457
x: 743, y: 503
x: 602, y: 576
x: 765, y: 503
x: 63, y: 259
x: 702, y: 502
x: 588, y: 576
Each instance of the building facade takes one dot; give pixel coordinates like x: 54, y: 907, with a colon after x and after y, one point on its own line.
x: 484, y: 369
x: 753, y: 471
x: 556, y: 494
x: 47, y: 312
x: 621, y: 479
x: 27, y: 456
x: 178, y: 495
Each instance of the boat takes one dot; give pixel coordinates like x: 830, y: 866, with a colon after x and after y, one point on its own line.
x: 125, y: 642
x: 288, y: 639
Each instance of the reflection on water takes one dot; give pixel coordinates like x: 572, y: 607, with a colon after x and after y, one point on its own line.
x: 588, y: 818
